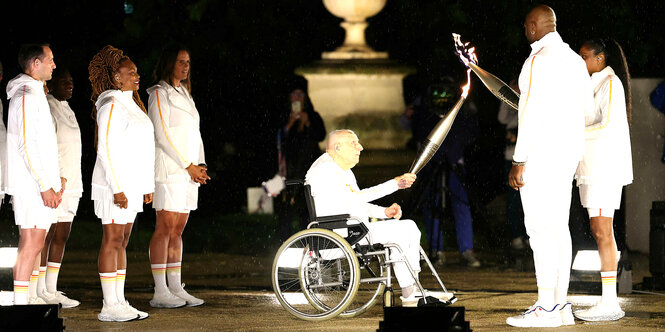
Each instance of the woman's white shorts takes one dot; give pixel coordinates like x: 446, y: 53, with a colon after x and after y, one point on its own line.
x: 110, y: 213
x: 175, y: 197
x: 603, y: 197
x: 68, y: 207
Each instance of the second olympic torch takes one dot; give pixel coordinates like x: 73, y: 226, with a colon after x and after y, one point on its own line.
x: 439, y: 133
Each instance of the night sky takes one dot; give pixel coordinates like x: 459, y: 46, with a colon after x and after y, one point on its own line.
x: 244, y: 53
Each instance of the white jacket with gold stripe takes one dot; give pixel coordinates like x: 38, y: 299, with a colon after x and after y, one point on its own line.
x: 32, y: 148
x: 125, y: 150
x: 177, y: 134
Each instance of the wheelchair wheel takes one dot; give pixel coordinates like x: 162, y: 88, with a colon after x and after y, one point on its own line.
x: 368, y: 292
x: 315, y: 274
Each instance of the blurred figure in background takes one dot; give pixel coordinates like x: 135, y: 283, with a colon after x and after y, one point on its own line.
x: 446, y: 173
x: 508, y: 117
x: 297, y: 147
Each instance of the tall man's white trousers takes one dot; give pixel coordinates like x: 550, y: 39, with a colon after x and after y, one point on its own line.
x: 546, y: 201
x: 406, y: 234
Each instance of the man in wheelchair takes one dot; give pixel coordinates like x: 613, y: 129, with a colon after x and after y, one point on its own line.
x: 335, y: 191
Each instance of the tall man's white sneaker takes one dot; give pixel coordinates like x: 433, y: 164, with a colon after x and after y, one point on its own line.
x: 59, y: 297
x: 116, y: 313
x: 537, y: 316
x: 190, y: 300
x: 566, y: 312
x: 139, y: 313
x: 166, y: 300
x: 603, y: 311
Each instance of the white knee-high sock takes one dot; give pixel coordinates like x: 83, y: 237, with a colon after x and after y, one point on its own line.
x: 41, y: 282
x: 21, y: 292
x: 609, y: 280
x: 174, y: 276
x: 159, y: 274
x: 52, y: 271
x: 32, y: 286
x: 108, y: 287
x: 120, y: 285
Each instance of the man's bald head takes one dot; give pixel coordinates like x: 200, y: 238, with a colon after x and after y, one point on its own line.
x: 540, y: 21
x: 344, y: 148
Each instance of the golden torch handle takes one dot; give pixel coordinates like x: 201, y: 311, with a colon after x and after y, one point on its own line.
x: 435, y: 138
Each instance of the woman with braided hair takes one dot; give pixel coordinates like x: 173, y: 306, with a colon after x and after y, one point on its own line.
x: 607, y: 164
x: 123, y: 177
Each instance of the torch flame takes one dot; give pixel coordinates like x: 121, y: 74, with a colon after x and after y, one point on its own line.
x: 466, y: 55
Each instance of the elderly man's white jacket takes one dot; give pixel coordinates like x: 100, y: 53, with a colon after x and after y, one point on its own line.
x: 177, y: 134
x: 607, y: 158
x: 125, y: 149
x: 555, y: 95
x: 69, y: 144
x: 336, y: 191
x: 32, y: 150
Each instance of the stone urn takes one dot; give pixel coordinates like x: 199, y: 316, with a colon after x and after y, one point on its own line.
x: 354, y: 13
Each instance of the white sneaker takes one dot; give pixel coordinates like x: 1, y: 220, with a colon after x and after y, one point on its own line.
x: 566, y: 312
x: 537, y: 316
x: 190, y: 300
x: 59, y: 297
x: 411, y: 301
x: 139, y: 313
x: 602, y: 311
x: 166, y: 300
x: 36, y: 300
x: 470, y: 258
x: 116, y: 313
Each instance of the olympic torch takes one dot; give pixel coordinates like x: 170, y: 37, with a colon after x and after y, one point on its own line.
x: 500, y: 89
x: 439, y: 133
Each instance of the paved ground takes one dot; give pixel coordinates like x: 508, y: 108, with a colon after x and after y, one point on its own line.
x: 238, y: 295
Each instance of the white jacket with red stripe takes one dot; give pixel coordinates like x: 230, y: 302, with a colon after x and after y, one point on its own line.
x: 177, y: 134
x: 32, y: 145
x: 125, y: 150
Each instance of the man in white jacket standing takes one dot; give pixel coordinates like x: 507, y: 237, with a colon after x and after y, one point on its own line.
x: 33, y: 177
x: 556, y: 91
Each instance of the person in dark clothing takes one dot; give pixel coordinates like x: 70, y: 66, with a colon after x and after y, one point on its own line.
x: 446, y: 172
x: 298, y: 147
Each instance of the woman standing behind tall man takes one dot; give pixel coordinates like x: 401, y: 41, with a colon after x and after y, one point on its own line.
x: 607, y: 164
x: 123, y: 177
x: 179, y: 171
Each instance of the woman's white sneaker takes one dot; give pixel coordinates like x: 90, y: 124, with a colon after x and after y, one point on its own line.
x: 190, y: 300
x: 141, y: 314
x: 166, y: 300
x: 116, y: 313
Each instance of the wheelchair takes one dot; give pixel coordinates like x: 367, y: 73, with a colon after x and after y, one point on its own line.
x: 332, y: 268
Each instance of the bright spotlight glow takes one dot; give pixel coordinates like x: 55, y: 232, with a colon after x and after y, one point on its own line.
x: 588, y: 260
x: 293, y: 257
x: 8, y: 257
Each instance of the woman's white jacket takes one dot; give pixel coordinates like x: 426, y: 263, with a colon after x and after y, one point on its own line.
x: 177, y: 134
x: 125, y: 149
x: 607, y: 157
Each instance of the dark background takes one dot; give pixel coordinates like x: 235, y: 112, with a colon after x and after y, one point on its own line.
x: 244, y: 53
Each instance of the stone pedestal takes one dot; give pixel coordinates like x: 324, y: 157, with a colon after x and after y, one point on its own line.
x: 363, y: 95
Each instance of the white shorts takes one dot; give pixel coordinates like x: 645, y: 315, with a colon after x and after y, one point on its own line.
x: 601, y: 196
x: 30, y: 212
x: 175, y: 197
x: 110, y: 213
x: 68, y: 207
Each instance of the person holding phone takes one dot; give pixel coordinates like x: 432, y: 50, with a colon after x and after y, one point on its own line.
x: 298, y: 147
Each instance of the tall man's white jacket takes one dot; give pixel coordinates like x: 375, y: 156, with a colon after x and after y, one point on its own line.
x: 32, y: 150
x: 125, y: 150
x: 69, y: 144
x: 177, y: 134
x: 607, y: 159
x: 336, y: 191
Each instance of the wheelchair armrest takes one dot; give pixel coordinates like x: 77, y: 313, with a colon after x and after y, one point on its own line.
x: 337, y: 217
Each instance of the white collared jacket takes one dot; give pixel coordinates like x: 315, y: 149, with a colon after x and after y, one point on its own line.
x: 32, y: 149
x: 69, y: 144
x: 125, y: 150
x: 607, y: 158
x: 177, y: 134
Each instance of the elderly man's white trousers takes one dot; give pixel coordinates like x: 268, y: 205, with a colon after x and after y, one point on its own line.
x: 406, y: 234
x: 546, y: 202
